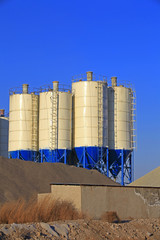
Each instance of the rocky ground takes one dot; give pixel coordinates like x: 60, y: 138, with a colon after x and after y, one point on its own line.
x: 83, y: 229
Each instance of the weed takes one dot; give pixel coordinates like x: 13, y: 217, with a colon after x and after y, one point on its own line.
x: 46, y: 210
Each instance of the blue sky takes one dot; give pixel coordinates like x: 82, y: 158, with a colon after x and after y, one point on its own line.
x: 42, y: 41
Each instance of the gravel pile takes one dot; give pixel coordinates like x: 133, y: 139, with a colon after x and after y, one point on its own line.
x: 151, y: 179
x: 25, y: 178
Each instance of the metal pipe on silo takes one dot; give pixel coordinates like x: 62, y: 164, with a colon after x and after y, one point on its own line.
x: 89, y: 76
x: 1, y: 112
x: 4, y: 125
x: 114, y: 81
x: 55, y: 85
x: 25, y: 88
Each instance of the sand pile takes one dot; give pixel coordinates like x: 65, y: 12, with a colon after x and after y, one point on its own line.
x: 151, y: 179
x: 24, y: 179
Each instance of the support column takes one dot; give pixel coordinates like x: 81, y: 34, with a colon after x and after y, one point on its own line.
x: 65, y: 156
x: 122, y: 167
x: 84, y: 157
x: 130, y: 168
x: 18, y: 155
x: 107, y: 162
x: 41, y: 152
x: 56, y: 153
x: 52, y: 156
x: 101, y: 158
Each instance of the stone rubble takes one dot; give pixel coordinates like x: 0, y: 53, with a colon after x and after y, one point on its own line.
x: 138, y: 229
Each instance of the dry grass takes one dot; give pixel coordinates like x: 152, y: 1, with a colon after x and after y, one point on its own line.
x: 110, y: 217
x: 46, y: 211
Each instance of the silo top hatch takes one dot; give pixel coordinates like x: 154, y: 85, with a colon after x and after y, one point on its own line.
x: 89, y: 76
x: 24, y: 89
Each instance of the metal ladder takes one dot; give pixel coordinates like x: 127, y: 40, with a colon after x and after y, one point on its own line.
x: 54, y: 120
x: 100, y: 121
x: 34, y: 122
x: 133, y: 119
x: 115, y: 118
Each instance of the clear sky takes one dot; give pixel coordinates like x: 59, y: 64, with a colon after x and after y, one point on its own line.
x: 42, y: 41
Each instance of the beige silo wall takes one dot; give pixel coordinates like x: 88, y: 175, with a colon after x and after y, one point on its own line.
x: 23, y: 122
x: 86, y: 113
x: 119, y: 117
x: 62, y: 121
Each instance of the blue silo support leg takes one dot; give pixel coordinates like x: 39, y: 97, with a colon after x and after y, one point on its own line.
x: 33, y: 157
x: 130, y: 168
x: 41, y: 156
x: 122, y: 167
x: 101, y: 158
x: 84, y: 157
x: 107, y: 163
x: 18, y: 155
x: 56, y: 155
x: 53, y: 156
x: 65, y: 156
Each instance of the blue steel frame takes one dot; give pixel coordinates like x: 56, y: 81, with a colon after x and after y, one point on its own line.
x: 116, y: 164
x: 92, y: 160
x: 54, y: 155
x: 121, y: 168
x: 25, y: 155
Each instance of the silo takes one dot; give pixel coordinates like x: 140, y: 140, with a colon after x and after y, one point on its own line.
x: 55, y: 124
x: 120, y: 129
x: 23, y: 124
x: 4, y: 126
x: 90, y: 121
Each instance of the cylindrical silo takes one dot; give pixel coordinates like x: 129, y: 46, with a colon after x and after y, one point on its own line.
x: 23, y: 124
x: 4, y: 126
x: 120, y: 128
x: 90, y: 120
x: 55, y: 124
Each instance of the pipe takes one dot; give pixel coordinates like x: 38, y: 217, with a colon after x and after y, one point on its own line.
x: 55, y: 85
x: 114, y: 81
x: 1, y: 112
x: 25, y: 88
x: 89, y: 76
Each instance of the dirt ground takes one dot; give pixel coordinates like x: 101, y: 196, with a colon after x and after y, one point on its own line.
x: 25, y: 179
x: 84, y: 229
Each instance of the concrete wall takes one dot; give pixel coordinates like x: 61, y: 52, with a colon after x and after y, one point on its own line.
x: 71, y: 193
x: 64, y: 192
x: 134, y: 202
x: 126, y: 201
